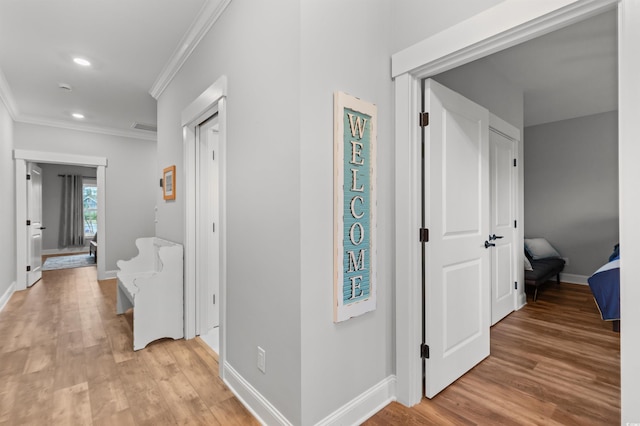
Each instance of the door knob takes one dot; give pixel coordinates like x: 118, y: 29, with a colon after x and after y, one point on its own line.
x: 495, y: 237
x: 487, y: 244
x: 43, y: 227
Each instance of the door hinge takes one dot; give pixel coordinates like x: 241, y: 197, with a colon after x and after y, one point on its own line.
x: 424, y: 351
x: 424, y: 235
x: 516, y: 283
x: 213, y: 155
x: 160, y: 182
x: 214, y: 299
x: 28, y: 177
x: 515, y: 223
x: 515, y: 162
x: 214, y: 227
x: 29, y: 268
x: 424, y: 119
x: 28, y: 222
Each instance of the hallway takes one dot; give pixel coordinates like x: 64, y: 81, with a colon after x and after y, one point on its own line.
x: 67, y: 358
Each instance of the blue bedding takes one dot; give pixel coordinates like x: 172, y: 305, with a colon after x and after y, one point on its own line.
x: 605, y: 286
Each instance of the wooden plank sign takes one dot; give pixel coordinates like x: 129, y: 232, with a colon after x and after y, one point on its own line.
x: 354, y: 158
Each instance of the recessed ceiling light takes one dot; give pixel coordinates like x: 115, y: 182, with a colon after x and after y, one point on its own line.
x: 82, y: 61
x: 77, y: 115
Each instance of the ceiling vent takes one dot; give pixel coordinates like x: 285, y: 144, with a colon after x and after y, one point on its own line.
x: 145, y: 127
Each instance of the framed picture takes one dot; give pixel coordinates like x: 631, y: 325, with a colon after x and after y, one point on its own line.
x: 169, y: 183
x: 355, y: 203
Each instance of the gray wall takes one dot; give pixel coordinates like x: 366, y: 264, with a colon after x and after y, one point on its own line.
x: 8, y: 204
x: 51, y: 201
x: 345, y: 47
x: 571, y: 188
x: 131, y: 180
x: 257, y: 46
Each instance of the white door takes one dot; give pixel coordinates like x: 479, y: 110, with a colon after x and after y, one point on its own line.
x: 34, y: 212
x: 503, y: 214
x: 209, y: 191
x: 456, y: 208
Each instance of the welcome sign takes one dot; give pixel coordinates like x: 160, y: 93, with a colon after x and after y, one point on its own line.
x: 354, y: 206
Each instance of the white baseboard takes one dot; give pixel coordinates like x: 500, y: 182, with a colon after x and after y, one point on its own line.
x: 107, y: 275
x: 7, y: 295
x: 67, y: 250
x: 363, y: 406
x: 253, y: 400
x: 574, y: 279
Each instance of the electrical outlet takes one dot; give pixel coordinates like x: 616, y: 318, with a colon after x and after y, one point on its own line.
x: 262, y: 360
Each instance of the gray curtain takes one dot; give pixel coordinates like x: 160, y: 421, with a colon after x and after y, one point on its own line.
x: 71, y: 215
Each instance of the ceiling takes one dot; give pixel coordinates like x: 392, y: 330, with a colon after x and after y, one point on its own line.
x: 569, y: 73
x: 134, y: 46
x: 129, y: 44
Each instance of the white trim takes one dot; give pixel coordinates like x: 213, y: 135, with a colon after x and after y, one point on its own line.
x: 628, y: 178
x: 7, y: 295
x: 111, y: 131
x: 109, y: 275
x: 502, y: 26
x: 506, y: 24
x: 363, y: 406
x: 208, y: 15
x: 408, y: 260
x: 574, y: 279
x: 59, y: 158
x: 253, y: 400
x: 204, y: 106
x: 6, y: 96
x: 21, y: 158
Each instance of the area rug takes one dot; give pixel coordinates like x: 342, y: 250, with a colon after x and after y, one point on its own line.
x: 68, y: 262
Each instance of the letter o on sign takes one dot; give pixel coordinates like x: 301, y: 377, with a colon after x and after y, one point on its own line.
x: 360, y: 233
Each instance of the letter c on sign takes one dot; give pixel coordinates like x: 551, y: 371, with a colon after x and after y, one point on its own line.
x: 353, y: 206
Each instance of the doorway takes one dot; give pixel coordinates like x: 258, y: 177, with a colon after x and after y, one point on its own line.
x: 208, y: 273
x: 22, y: 158
x: 421, y: 61
x: 210, y: 103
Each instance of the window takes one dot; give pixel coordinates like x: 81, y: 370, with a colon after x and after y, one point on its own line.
x: 90, y: 207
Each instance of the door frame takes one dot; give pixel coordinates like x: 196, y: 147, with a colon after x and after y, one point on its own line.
x: 498, y: 28
x: 210, y: 102
x: 22, y: 157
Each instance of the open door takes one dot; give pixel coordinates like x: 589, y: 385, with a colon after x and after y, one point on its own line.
x: 34, y: 221
x: 209, y: 224
x: 504, y: 178
x: 457, y: 254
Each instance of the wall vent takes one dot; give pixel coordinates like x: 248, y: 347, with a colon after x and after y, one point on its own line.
x: 145, y: 127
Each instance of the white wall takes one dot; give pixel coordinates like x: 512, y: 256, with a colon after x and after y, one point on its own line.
x: 131, y: 180
x: 7, y: 206
x: 52, y: 200
x: 345, y: 47
x: 256, y: 45
x: 571, y: 188
x: 415, y: 20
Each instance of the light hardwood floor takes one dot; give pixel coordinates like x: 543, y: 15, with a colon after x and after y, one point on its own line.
x: 66, y: 358
x: 554, y: 362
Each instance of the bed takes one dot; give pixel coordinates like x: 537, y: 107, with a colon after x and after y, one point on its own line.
x: 605, y: 286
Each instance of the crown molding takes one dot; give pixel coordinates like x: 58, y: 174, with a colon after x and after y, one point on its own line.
x: 40, y: 121
x: 7, y: 96
x: 208, y: 15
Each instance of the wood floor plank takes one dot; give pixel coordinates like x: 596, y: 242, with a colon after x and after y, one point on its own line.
x: 71, y: 406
